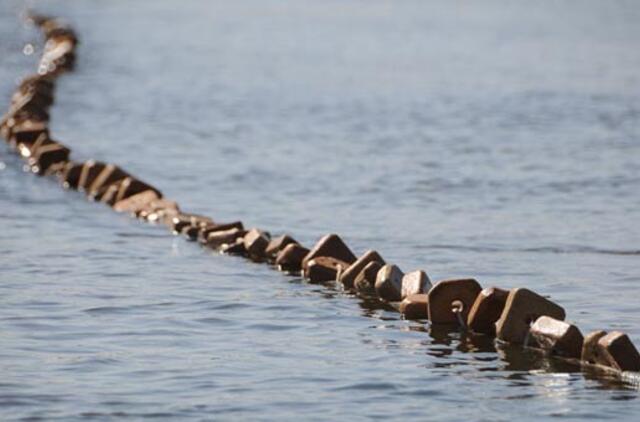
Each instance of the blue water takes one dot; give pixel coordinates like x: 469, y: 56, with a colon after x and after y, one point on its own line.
x: 499, y: 140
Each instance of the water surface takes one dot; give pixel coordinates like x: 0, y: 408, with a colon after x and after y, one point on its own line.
x: 487, y: 139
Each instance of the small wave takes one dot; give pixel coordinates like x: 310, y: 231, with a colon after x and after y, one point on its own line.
x: 127, y: 414
x: 122, y: 309
x: 368, y: 386
x: 273, y: 327
x: 213, y: 321
x: 583, y: 250
x: 141, y: 235
x: 228, y: 306
x: 539, y: 249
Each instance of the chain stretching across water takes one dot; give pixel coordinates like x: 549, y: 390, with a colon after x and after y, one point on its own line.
x: 490, y: 311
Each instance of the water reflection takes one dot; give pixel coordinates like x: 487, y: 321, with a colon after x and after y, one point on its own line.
x: 372, y: 307
x: 518, y: 364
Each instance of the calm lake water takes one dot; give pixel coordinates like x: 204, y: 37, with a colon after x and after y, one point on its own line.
x: 499, y: 140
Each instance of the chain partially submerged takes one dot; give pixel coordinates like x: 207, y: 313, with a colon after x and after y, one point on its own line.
x: 518, y: 316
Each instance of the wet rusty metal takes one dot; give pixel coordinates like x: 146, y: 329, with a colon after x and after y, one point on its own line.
x: 255, y: 243
x: 616, y: 350
x: 415, y: 306
x: 448, y: 295
x: 486, y: 310
x: 389, y: 283
x: 558, y: 337
x: 366, y: 280
x: 277, y: 244
x: 324, y: 268
x: 290, y: 258
x: 330, y: 245
x: 348, y: 277
x: 522, y: 308
x: 415, y: 282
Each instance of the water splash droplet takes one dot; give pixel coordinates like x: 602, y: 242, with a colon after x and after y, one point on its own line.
x: 28, y: 49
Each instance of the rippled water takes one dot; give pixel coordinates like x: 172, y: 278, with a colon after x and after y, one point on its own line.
x: 499, y: 140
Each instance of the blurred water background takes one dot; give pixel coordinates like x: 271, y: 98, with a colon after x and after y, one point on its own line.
x: 499, y: 140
